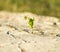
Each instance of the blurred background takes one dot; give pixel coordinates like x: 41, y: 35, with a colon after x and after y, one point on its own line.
x: 40, y: 7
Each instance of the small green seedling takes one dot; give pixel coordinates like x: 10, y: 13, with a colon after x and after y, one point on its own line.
x: 31, y: 23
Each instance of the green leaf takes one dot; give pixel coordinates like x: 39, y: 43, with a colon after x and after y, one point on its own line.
x: 31, y: 22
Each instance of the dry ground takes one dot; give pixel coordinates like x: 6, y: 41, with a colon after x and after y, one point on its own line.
x: 16, y: 36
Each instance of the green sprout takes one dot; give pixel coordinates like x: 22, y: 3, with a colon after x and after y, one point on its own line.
x: 30, y: 22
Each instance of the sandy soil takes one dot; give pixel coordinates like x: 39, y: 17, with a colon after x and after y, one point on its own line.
x: 16, y: 36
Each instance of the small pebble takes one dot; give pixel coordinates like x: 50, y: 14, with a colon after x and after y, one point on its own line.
x: 54, y: 23
x: 8, y: 32
x: 58, y: 35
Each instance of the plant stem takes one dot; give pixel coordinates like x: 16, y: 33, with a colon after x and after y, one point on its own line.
x: 32, y: 30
